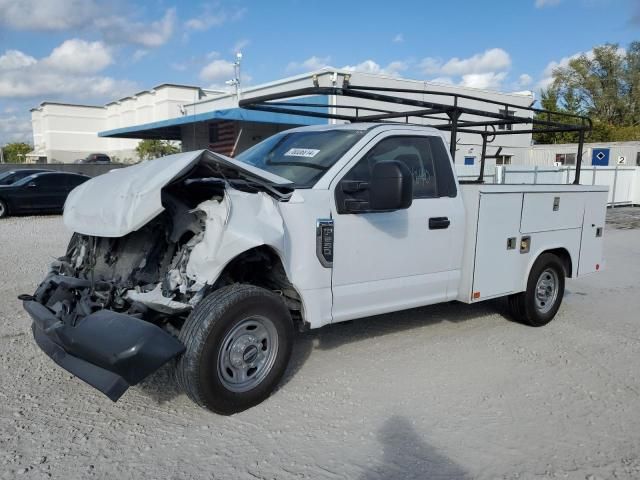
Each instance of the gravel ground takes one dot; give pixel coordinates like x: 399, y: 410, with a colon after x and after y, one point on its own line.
x: 451, y: 391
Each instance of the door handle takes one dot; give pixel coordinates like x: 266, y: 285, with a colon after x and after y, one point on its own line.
x: 439, y: 223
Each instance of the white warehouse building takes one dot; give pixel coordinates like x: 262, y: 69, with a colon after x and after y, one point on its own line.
x: 64, y: 132
x: 201, y: 118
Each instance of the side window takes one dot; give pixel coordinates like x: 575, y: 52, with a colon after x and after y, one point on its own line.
x: 70, y: 181
x: 73, y: 181
x: 47, y: 181
x: 425, y: 157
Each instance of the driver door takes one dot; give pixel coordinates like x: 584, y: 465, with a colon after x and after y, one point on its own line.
x: 392, y: 260
x: 45, y: 192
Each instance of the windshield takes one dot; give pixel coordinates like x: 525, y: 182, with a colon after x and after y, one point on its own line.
x: 25, y: 180
x: 301, y: 157
x: 7, y: 178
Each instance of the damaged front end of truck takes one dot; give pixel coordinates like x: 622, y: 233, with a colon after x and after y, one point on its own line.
x: 149, y: 242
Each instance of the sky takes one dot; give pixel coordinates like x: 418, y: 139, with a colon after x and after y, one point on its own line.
x: 93, y: 52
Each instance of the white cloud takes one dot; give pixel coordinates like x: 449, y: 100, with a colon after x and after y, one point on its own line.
x: 180, y: 67
x: 398, y: 38
x: 546, y: 3
x: 68, y: 71
x: 486, y: 70
x: 47, y: 14
x: 201, y: 23
x: 485, y: 81
x: 524, y: 80
x: 369, y: 66
x: 217, y: 71
x: 118, y: 29
x: 240, y: 45
x: 60, y: 15
x: 39, y: 83
x: 491, y: 60
x: 14, y: 59
x: 15, y: 129
x: 79, y: 56
x: 311, y: 63
x: 210, y: 18
x: 444, y: 80
x: 139, y: 54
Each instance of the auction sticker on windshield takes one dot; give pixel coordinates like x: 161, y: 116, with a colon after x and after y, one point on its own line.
x: 302, y: 152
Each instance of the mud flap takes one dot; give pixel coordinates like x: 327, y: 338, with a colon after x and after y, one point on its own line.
x: 110, y: 351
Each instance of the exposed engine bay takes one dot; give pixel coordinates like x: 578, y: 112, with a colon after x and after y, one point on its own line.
x: 159, y: 272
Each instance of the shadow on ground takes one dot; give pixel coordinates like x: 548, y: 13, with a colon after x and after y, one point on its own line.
x: 161, y: 386
x: 407, y: 456
x: 336, y: 335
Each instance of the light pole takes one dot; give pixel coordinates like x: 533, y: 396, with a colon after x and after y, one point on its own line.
x: 236, y: 72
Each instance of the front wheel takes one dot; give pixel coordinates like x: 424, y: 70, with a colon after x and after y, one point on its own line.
x: 4, y: 211
x: 545, y: 288
x: 238, y: 342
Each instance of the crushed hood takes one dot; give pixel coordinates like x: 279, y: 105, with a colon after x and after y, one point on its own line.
x: 124, y: 200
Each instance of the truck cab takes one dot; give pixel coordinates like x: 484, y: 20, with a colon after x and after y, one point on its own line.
x: 384, y: 256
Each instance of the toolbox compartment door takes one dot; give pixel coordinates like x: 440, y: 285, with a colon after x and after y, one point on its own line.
x: 544, y: 212
x: 497, y: 258
x: 591, y: 244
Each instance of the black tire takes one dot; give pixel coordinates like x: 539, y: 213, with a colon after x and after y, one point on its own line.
x: 4, y: 210
x: 525, y: 308
x: 206, y: 330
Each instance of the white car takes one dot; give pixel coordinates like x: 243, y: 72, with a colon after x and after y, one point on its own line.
x: 215, y: 261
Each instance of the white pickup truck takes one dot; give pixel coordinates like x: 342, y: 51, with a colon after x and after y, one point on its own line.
x: 215, y: 261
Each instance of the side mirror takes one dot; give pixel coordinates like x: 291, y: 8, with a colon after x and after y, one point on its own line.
x: 391, y: 186
x: 31, y: 184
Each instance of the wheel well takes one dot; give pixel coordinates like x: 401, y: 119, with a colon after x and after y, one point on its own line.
x: 565, y: 257
x: 261, y: 266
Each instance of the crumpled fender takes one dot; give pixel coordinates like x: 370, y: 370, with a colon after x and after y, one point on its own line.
x: 239, y: 222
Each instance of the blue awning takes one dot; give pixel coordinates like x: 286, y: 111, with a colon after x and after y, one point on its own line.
x: 171, y: 129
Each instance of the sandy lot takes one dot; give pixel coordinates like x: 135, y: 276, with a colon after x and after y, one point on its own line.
x: 451, y: 391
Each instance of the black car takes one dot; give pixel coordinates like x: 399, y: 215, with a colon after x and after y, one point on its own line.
x: 95, y: 158
x: 12, y: 176
x: 38, y: 193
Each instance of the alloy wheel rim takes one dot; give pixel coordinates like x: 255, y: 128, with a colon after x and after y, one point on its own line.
x: 247, y: 354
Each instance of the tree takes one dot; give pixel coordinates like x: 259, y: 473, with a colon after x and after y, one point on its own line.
x: 148, y: 149
x: 603, y: 85
x: 15, y: 152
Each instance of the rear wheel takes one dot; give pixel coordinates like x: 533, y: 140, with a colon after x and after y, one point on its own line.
x: 238, y: 342
x: 4, y: 211
x: 545, y: 288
